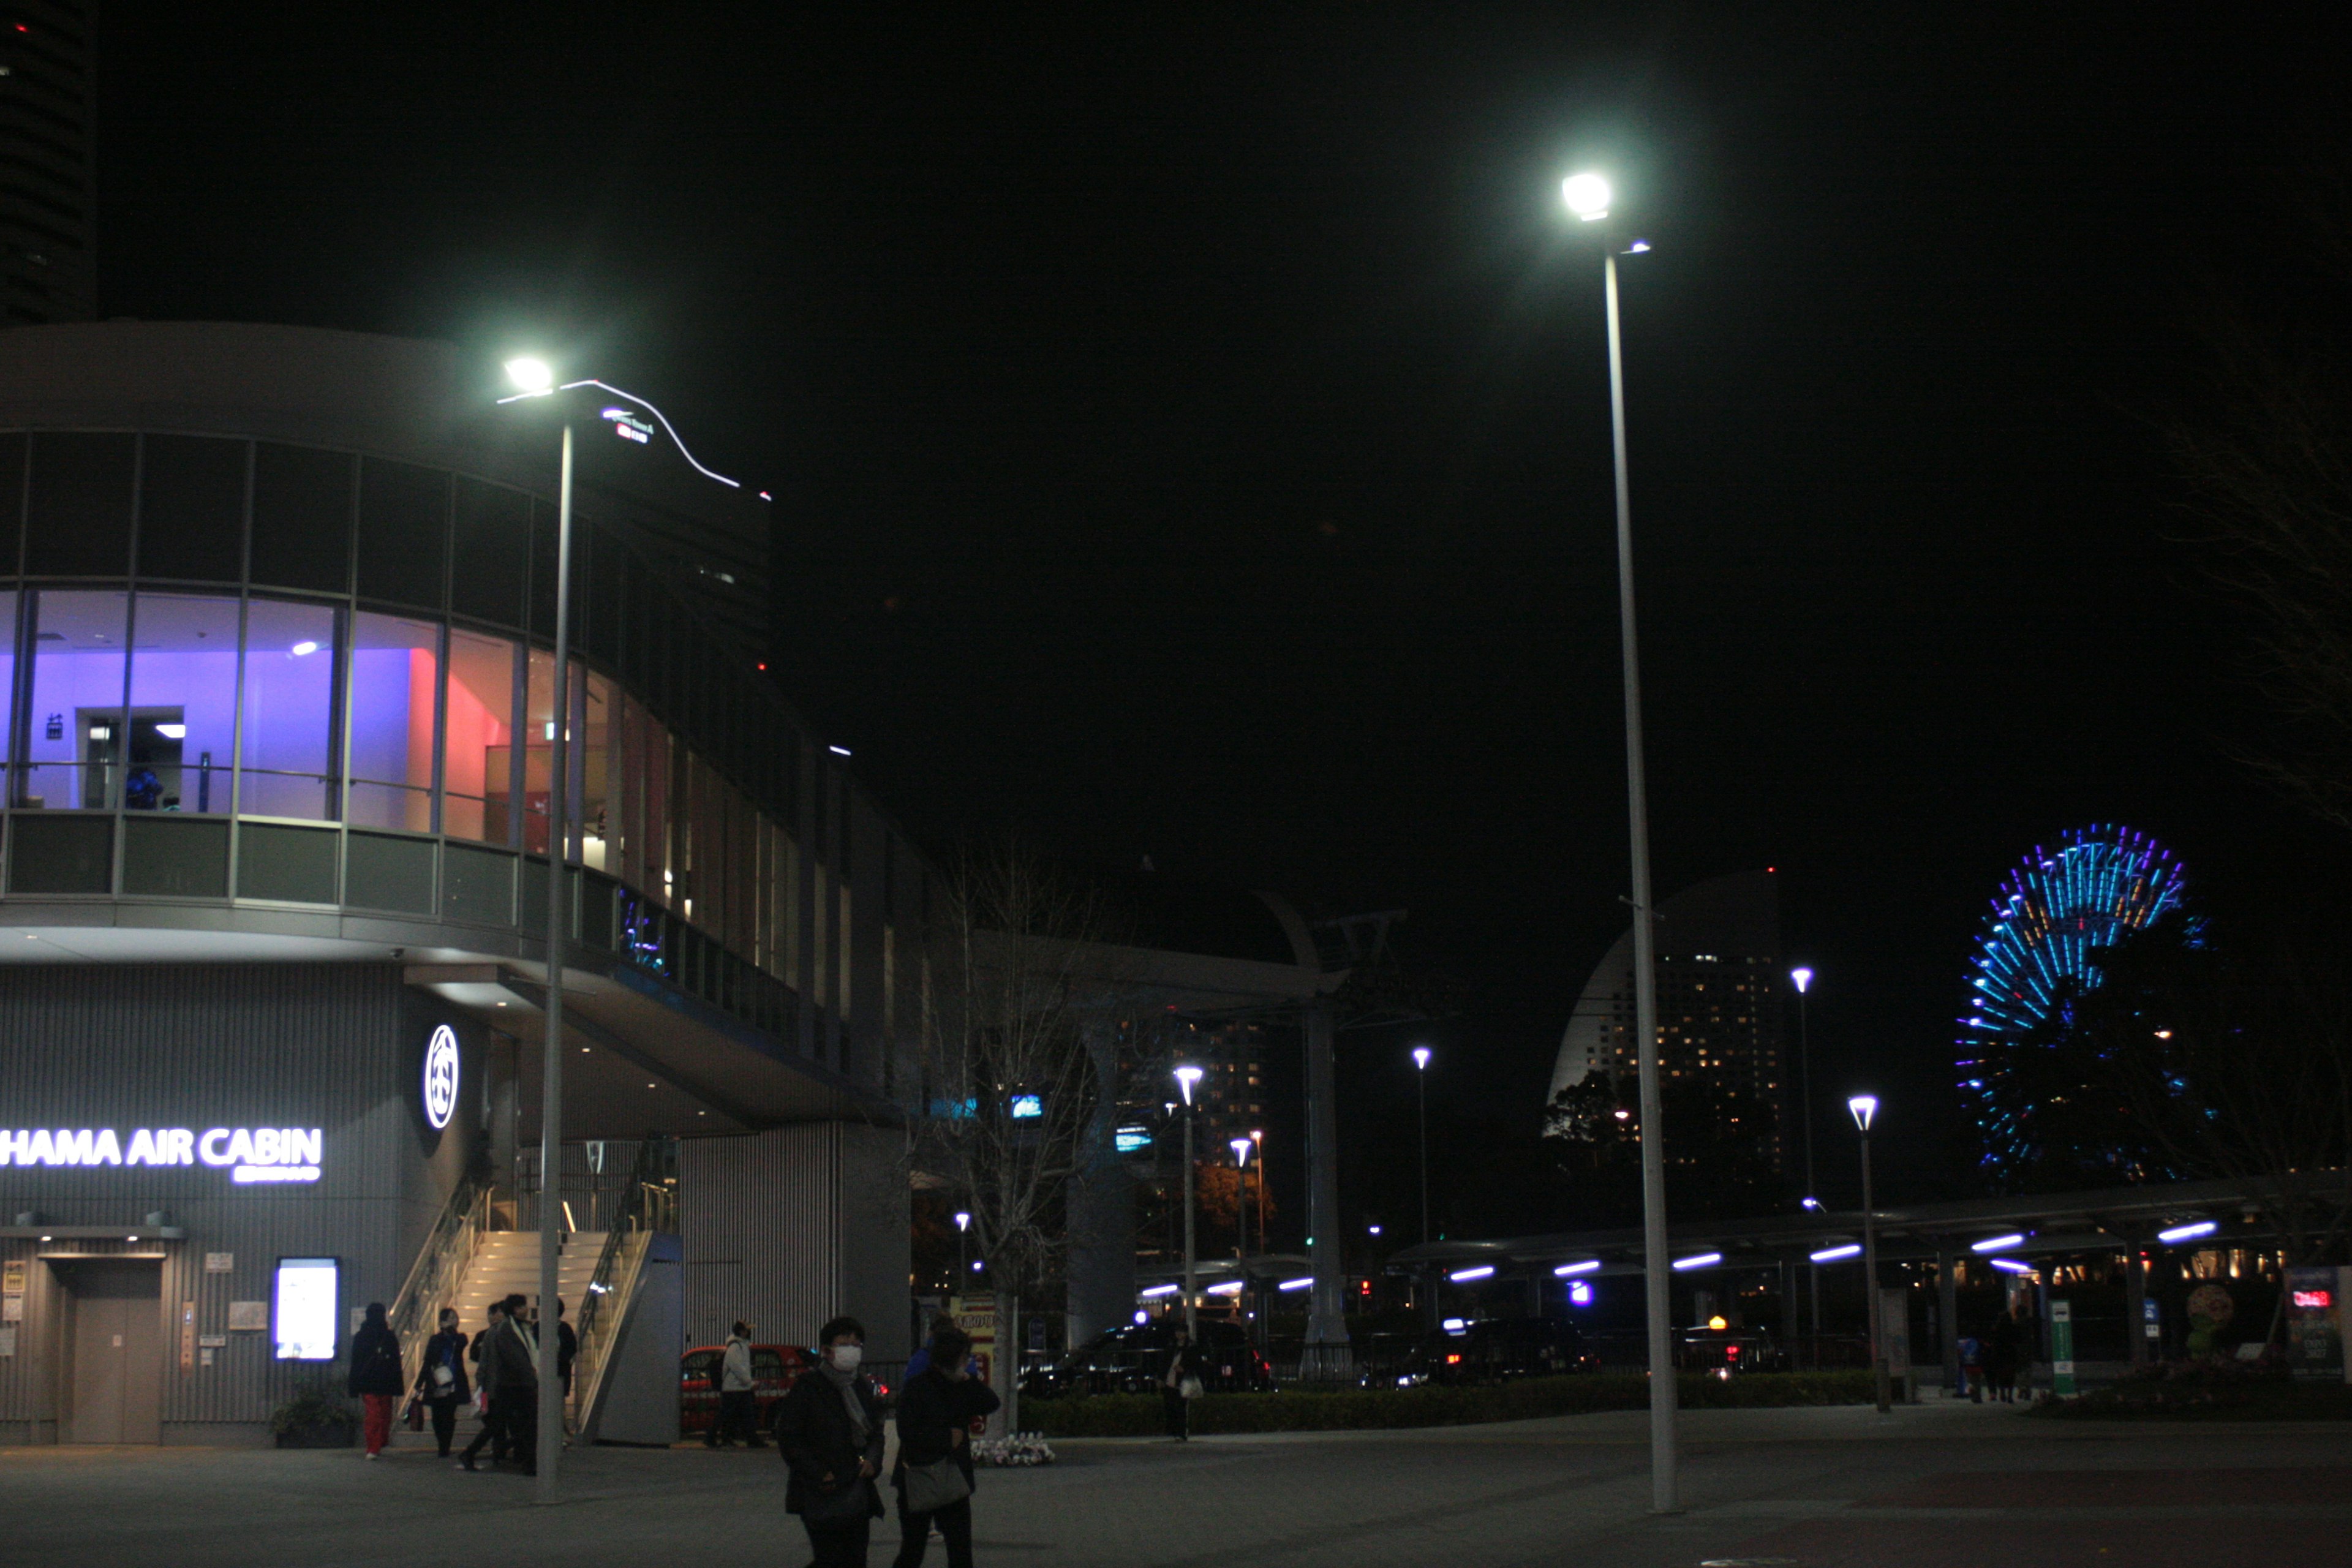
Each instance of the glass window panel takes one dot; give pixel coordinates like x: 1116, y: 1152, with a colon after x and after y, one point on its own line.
x: 74, y: 730
x: 403, y: 532
x: 302, y: 517
x: 477, y: 779
x: 80, y: 513
x: 488, y: 548
x: 602, y: 614
x: 7, y: 667
x: 192, y: 509
x: 182, y: 726
x: 597, y: 774
x: 12, y: 502
x: 395, y: 672
x: 539, y: 748
x: 288, y: 766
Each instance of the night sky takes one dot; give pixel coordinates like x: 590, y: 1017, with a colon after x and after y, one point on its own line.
x: 1191, y: 438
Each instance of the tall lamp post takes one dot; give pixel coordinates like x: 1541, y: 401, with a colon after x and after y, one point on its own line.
x: 963, y: 1241
x: 1588, y: 196
x: 1187, y: 1077
x: 532, y: 378
x: 1241, y: 1148
x: 1421, y: 1090
x: 1803, y: 980
x: 1864, y: 1107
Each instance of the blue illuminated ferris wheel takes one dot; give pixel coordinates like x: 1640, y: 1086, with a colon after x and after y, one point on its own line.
x: 2034, y: 953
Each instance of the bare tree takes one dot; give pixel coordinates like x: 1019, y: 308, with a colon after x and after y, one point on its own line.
x: 1010, y: 1073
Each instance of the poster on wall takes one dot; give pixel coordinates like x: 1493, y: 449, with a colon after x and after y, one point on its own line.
x: 2315, y: 1322
x: 7, y: 1342
x: 12, y: 1277
x: 303, y: 1308
x: 249, y: 1317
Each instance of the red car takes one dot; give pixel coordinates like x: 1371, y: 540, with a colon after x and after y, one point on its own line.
x: 774, y: 1369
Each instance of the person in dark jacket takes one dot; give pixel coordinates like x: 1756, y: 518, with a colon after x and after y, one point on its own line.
x: 1184, y: 1364
x: 496, y: 1314
x: 511, y: 1374
x: 936, y: 1410
x: 441, y: 1381
x: 829, y: 1430
x: 2005, y: 1355
x: 375, y: 1377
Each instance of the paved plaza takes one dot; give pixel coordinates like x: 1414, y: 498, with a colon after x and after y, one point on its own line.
x: 1939, y: 1485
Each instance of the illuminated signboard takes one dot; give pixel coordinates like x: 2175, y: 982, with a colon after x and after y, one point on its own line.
x: 248, y: 1154
x: 2319, y: 1300
x: 440, y: 1077
x: 628, y: 426
x: 1028, y: 1107
x: 303, y: 1309
x: 1131, y: 1140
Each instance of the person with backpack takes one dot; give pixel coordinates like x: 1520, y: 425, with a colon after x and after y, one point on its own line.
x: 441, y: 1381
x: 375, y: 1379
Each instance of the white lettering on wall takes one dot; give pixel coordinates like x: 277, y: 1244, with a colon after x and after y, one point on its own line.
x: 251, y: 1153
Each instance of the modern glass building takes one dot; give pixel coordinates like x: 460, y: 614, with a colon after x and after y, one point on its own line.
x: 278, y: 687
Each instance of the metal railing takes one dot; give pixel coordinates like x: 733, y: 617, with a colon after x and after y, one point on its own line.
x: 433, y: 1278
x: 646, y: 1204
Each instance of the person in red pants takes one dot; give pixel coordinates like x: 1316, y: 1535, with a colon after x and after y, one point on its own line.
x: 376, y: 1376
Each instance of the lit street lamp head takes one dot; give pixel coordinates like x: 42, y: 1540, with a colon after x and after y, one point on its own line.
x: 1421, y: 1057
x: 1587, y: 197
x: 1241, y: 1148
x: 1803, y: 979
x: 1865, y: 1107
x: 963, y: 1221
x: 530, y: 375
x: 1186, y: 1077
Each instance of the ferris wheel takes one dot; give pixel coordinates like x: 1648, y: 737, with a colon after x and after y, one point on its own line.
x: 2035, y: 949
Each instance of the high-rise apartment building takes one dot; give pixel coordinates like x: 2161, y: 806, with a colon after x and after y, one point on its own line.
x: 49, y: 270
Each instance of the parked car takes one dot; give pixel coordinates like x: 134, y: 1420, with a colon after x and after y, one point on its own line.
x: 774, y: 1369
x: 1128, y: 1360
x: 1492, y: 1350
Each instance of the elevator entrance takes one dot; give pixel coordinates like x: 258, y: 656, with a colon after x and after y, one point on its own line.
x: 114, y: 1350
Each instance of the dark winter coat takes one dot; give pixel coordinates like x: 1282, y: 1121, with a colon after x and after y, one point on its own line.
x: 932, y: 1408
x: 508, y: 1368
x: 813, y: 1434
x: 375, y: 1360
x: 447, y: 1349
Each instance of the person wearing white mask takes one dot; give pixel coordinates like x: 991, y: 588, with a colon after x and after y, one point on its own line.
x: 829, y: 1430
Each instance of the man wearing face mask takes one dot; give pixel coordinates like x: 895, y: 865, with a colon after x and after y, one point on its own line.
x: 829, y: 1430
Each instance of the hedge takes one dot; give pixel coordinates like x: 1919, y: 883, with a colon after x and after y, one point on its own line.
x: 1301, y: 1410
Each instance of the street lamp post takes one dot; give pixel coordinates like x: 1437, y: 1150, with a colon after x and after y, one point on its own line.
x: 1588, y: 196
x: 532, y: 378
x: 1420, y: 1088
x: 1241, y: 1148
x: 1864, y: 1107
x: 963, y: 1241
x: 1187, y: 1077
x: 1803, y: 980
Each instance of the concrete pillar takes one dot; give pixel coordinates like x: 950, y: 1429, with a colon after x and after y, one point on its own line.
x: 2135, y: 1301
x: 1101, y: 1269
x: 1947, y: 1317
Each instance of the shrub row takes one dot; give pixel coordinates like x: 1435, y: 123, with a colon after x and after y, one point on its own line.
x: 1302, y: 1410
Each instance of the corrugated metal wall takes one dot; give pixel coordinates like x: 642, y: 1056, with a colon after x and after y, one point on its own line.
x: 788, y: 1227
x: 336, y: 1047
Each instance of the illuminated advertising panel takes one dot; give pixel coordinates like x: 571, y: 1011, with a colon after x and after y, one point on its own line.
x: 302, y: 1308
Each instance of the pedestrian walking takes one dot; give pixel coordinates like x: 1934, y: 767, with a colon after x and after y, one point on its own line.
x: 933, y: 1475
x: 496, y: 1315
x: 511, y: 1374
x: 375, y: 1377
x: 1180, y: 1384
x: 2003, y: 1355
x: 567, y: 1349
x: 739, y: 1406
x: 441, y: 1381
x: 830, y: 1432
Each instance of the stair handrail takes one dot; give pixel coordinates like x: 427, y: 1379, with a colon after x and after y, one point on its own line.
x: 440, y: 1262
x: 650, y: 1204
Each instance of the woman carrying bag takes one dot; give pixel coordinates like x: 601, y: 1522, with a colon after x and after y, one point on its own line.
x: 441, y: 1381
x: 936, y: 1410
x: 376, y: 1376
x: 829, y: 1430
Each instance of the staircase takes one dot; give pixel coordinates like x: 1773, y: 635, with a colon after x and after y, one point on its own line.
x: 506, y: 1263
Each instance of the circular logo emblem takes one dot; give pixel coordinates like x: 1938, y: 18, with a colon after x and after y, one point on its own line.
x: 440, y: 1077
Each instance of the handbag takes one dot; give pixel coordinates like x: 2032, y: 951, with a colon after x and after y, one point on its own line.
x: 928, y: 1488
x: 415, y: 1412
x: 1189, y: 1389
x: 838, y: 1507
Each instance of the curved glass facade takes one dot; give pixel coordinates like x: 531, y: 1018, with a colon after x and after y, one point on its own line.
x: 248, y: 671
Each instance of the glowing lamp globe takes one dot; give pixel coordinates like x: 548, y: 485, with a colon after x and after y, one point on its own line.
x: 1865, y: 1107
x: 1587, y: 195
x: 530, y: 374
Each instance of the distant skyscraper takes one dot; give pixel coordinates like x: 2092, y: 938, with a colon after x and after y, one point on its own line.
x: 49, y: 270
x: 1718, y: 999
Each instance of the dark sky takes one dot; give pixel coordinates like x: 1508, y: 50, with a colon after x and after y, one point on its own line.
x: 1190, y: 434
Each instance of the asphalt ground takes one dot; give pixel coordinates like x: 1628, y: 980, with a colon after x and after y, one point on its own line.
x: 1936, y: 1485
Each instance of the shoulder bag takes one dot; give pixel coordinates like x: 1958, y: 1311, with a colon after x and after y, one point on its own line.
x: 928, y: 1488
x: 839, y: 1506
